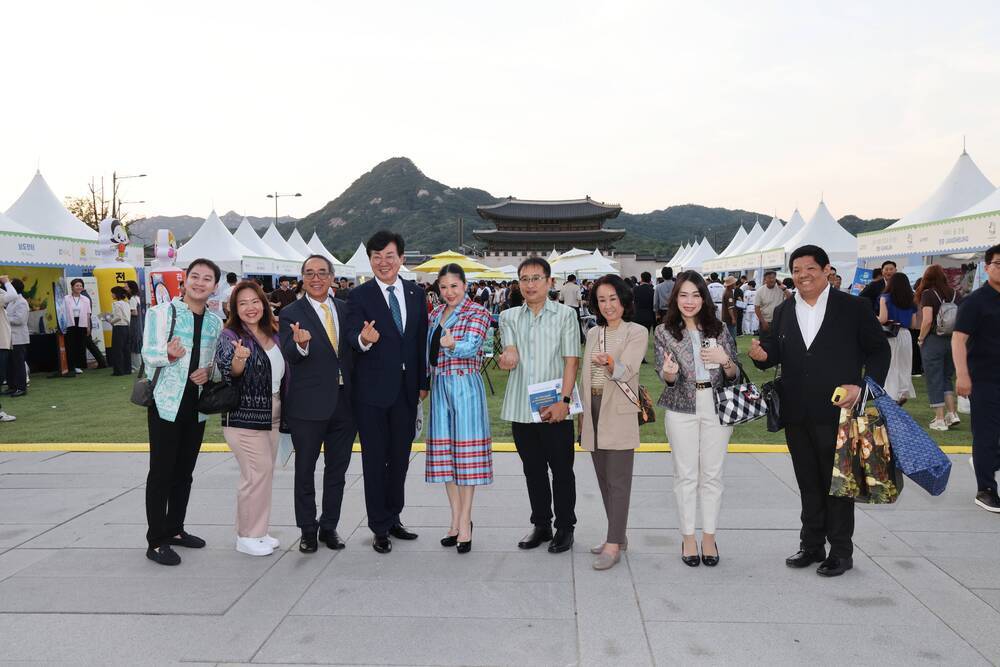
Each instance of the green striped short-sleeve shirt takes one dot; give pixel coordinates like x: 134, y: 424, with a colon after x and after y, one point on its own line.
x: 542, y: 341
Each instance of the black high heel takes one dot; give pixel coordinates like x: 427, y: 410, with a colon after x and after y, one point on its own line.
x: 710, y: 561
x: 449, y: 540
x: 690, y: 561
x: 465, y: 547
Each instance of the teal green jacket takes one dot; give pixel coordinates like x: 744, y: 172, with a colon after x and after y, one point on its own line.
x: 173, y: 378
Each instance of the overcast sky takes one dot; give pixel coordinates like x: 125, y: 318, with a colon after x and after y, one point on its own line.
x: 753, y: 105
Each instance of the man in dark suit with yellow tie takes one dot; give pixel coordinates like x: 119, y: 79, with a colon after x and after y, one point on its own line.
x: 317, y: 405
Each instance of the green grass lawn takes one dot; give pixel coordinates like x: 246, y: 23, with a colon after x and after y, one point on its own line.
x: 94, y: 407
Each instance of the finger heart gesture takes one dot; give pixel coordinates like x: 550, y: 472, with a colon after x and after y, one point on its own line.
x: 300, y: 336
x: 369, y: 334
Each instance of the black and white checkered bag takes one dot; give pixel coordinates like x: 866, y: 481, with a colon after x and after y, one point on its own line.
x: 740, y: 402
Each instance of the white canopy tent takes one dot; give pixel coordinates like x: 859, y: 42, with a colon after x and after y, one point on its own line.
x: 213, y: 240
x: 39, y: 210
x: 686, y: 252
x: 248, y: 237
x: 752, y: 237
x: 342, y: 270
x: 963, y: 187
x: 736, y: 242
x: 824, y: 231
x: 763, y: 243
x: 703, y: 252
x: 584, y: 264
x: 299, y: 244
x: 280, y: 245
x: 10, y: 225
x: 794, y: 226
x: 990, y: 204
x: 362, y: 266
x: 673, y: 258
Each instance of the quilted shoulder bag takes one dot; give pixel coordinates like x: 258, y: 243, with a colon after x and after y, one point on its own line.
x: 142, y: 390
x: 643, y: 401
x: 740, y: 402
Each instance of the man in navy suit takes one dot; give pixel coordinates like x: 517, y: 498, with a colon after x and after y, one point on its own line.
x: 317, y: 403
x: 387, y: 326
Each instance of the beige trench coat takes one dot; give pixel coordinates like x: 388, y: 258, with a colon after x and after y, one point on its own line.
x: 618, y: 421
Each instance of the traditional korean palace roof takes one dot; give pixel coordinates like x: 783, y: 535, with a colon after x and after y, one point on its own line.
x: 559, y: 209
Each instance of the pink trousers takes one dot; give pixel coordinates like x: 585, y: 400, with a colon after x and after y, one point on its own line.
x: 255, y: 451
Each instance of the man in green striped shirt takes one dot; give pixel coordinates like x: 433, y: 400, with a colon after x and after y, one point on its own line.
x: 541, y: 342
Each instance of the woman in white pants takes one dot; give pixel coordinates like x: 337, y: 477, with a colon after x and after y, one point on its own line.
x: 695, y: 355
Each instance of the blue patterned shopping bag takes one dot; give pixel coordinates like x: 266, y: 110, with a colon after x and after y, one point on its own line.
x: 916, y: 453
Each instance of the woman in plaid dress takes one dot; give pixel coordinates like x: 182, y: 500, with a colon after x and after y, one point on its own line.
x: 459, y: 446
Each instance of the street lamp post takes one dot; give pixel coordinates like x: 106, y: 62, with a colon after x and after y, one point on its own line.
x: 114, y: 190
x: 278, y: 195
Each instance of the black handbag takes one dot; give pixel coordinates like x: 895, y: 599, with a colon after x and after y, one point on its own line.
x: 771, y: 392
x: 219, y: 397
x: 739, y: 401
x: 142, y: 390
x: 891, y: 329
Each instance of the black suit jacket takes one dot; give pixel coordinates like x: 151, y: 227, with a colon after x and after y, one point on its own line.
x: 849, y: 345
x: 313, y: 382
x: 380, y: 375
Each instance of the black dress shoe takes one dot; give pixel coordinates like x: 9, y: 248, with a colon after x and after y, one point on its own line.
x: 163, y: 555
x: 834, y: 567
x: 563, y: 541
x: 805, y: 558
x: 187, y: 540
x: 331, y: 539
x: 401, y: 533
x: 308, y: 544
x: 449, y: 540
x: 534, y: 539
x: 18, y: 393
x: 690, y: 561
x: 382, y: 544
x: 710, y: 561
x: 466, y: 547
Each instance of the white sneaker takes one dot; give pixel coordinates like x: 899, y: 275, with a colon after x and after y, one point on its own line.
x: 972, y: 465
x: 78, y: 371
x: 938, y: 425
x: 253, y: 546
x: 4, y: 417
x: 950, y: 418
x: 271, y: 541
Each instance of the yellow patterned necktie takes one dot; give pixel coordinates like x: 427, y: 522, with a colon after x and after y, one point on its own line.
x: 331, y: 332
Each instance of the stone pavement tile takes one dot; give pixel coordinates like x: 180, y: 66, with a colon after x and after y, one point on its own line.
x: 13, y: 534
x: 70, y: 481
x: 403, y: 565
x: 990, y: 596
x: 15, y: 560
x: 971, y: 520
x: 875, y: 539
x: 461, y: 597
x: 968, y: 615
x: 779, y: 468
x: 933, y: 544
x: 415, y: 641
x: 179, y: 594
x: 518, y: 517
x: 112, y: 563
x: 732, y: 517
x: 978, y: 570
x: 484, y: 539
x: 88, y: 463
x: 24, y: 461
x: 133, y: 536
x: 609, y: 622
x: 52, y: 506
x: 806, y: 644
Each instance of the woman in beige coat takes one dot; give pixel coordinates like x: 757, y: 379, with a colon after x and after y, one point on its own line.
x: 609, y: 425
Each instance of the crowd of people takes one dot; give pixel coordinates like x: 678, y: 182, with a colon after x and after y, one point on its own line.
x: 324, y: 369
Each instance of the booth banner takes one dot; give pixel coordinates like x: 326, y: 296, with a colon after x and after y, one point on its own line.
x: 934, y: 238
x: 275, y: 267
x: 108, y: 277
x: 39, y: 294
x: 32, y: 249
x: 164, y: 284
x: 861, y: 279
x: 774, y: 258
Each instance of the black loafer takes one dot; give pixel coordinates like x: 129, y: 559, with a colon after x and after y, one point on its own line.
x: 164, y: 555
x: 535, y: 538
x: 563, y: 541
x: 187, y: 540
x: 382, y: 544
x: 308, y: 544
x: 834, y: 567
x: 690, y: 561
x: 805, y: 558
x: 400, y: 532
x: 710, y: 561
x: 331, y: 539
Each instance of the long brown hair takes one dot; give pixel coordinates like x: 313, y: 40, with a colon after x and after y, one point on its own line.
x: 235, y: 324
x: 899, y: 291
x: 935, y: 279
x: 708, y: 321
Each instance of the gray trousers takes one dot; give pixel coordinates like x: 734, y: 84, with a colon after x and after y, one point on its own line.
x: 614, y: 477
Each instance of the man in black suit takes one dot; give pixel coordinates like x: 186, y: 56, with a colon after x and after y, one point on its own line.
x: 873, y: 290
x: 823, y: 339
x: 317, y: 403
x: 388, y: 328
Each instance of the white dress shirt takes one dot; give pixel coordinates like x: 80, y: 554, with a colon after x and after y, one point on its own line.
x: 318, y: 307
x: 400, y: 297
x: 811, y: 317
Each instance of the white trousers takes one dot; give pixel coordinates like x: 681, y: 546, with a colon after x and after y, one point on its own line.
x: 698, y: 445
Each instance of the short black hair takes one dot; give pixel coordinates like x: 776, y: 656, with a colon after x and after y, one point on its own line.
x: 72, y: 282
x: 570, y: 278
x: 813, y: 251
x: 625, y: 297
x: 535, y: 261
x: 991, y: 253
x: 789, y: 283
x: 770, y: 272
x: 232, y: 278
x: 667, y: 272
x: 752, y: 283
x: 18, y: 285
x: 381, y: 239
x: 454, y: 269
x: 119, y: 292
x: 646, y: 276
x: 876, y: 273
x: 714, y: 276
x: 209, y: 263
x: 888, y: 262
x: 326, y: 259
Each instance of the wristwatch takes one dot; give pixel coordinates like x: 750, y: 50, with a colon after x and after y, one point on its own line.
x: 567, y: 400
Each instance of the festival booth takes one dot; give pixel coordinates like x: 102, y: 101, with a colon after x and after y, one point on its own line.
x: 279, y: 245
x: 824, y: 231
x: 585, y: 265
x: 702, y: 254
x: 266, y: 265
x: 960, y: 219
x: 340, y: 269
x: 363, y: 268
x: 738, y: 238
x: 683, y: 252
x: 748, y: 257
x: 45, y: 245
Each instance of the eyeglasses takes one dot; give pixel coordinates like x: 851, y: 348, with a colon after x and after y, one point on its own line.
x: 995, y: 264
x: 532, y: 279
x: 308, y: 275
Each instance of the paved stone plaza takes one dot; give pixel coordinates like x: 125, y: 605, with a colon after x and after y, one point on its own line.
x: 75, y: 586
